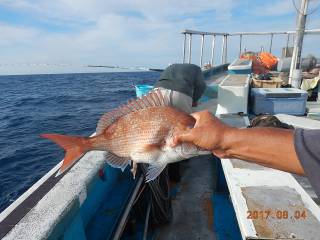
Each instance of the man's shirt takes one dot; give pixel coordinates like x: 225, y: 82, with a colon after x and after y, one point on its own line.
x: 307, y: 146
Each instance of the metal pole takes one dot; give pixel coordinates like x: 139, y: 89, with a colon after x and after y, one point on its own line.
x: 190, y: 43
x: 288, y: 39
x: 295, y: 72
x: 125, y: 215
x: 293, y: 38
x: 226, y: 50
x: 184, y: 48
x: 212, y: 50
x: 223, y: 49
x: 240, y: 47
x: 271, y: 38
x: 201, y: 54
x: 287, y: 46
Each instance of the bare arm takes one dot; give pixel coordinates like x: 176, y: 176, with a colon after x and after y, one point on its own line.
x: 270, y: 147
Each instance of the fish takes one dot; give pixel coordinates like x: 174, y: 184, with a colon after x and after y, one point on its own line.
x: 140, y: 131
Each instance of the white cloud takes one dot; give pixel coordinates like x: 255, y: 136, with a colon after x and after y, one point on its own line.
x: 282, y: 7
x: 11, y: 35
x: 86, y: 10
x: 127, y: 33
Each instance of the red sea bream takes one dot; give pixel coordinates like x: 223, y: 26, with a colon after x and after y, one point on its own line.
x: 140, y: 131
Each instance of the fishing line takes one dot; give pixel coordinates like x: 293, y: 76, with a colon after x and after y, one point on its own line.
x: 138, y: 196
x: 160, y: 195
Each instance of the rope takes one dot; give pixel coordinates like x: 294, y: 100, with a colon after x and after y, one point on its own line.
x: 160, y: 197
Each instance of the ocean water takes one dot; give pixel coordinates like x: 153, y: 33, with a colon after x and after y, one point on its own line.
x: 59, y: 103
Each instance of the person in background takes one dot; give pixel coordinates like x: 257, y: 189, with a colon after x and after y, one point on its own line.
x: 291, y: 150
x: 184, y: 84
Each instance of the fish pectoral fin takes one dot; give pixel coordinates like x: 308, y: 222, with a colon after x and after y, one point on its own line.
x: 116, y: 161
x: 154, y: 171
x: 134, y: 169
x: 151, y: 147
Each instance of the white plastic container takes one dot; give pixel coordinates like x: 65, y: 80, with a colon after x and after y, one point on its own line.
x: 233, y: 94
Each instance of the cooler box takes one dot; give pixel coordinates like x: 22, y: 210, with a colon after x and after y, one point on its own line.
x: 233, y: 94
x: 240, y: 66
x: 278, y: 100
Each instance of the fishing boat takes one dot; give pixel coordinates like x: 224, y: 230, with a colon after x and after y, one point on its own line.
x: 215, y: 199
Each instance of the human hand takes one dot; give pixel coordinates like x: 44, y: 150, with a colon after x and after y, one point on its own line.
x: 208, y: 133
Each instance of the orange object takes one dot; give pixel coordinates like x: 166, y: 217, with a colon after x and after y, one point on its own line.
x: 257, y: 66
x: 267, y: 60
x: 248, y: 55
x: 75, y: 148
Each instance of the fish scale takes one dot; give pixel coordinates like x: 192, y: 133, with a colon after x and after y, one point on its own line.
x: 140, y: 131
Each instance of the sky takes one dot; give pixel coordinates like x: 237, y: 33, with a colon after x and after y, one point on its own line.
x: 45, y: 36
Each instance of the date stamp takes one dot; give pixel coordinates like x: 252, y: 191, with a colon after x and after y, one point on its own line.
x: 276, y: 214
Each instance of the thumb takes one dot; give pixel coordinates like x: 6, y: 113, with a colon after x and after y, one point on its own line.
x: 182, y: 137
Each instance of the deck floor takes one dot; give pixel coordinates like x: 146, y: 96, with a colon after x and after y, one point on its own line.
x: 192, y: 206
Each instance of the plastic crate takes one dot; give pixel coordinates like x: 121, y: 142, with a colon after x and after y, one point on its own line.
x: 278, y: 100
x: 273, y: 83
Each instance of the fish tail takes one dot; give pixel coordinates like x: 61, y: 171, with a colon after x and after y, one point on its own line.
x: 75, y: 148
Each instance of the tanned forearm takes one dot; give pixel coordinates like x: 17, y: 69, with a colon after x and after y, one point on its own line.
x: 267, y: 146
x: 271, y: 147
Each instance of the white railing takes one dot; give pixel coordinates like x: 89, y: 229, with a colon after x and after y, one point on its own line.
x: 224, y: 52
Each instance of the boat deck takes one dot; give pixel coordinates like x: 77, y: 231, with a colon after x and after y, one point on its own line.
x: 192, y: 204
x: 210, y: 202
x: 256, y: 188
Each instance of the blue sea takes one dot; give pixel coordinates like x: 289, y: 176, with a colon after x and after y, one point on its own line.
x: 58, y: 103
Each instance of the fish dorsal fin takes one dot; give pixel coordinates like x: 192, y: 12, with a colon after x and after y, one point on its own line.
x: 106, y: 120
x: 115, y: 161
x: 155, y: 97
